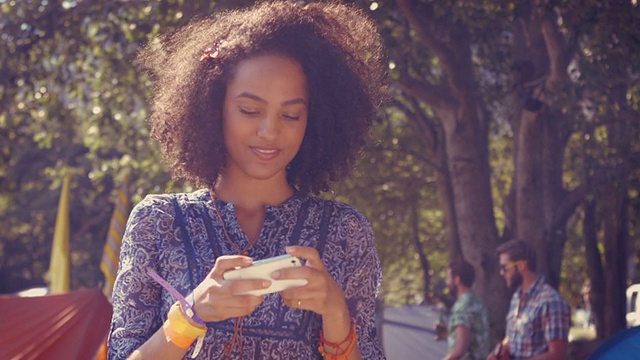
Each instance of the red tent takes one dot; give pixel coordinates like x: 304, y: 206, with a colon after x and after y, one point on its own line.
x: 62, y: 326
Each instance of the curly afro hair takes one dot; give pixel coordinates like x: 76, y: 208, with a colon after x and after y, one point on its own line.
x: 339, y: 49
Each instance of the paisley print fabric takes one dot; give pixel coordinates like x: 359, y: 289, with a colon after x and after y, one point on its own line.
x: 180, y: 236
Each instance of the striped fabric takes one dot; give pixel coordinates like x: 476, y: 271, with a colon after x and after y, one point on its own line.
x: 109, y: 263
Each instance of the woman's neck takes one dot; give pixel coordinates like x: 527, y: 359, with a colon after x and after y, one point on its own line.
x: 250, y: 198
x: 252, y: 195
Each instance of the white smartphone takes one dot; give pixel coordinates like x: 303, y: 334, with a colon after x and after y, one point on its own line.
x: 262, y: 269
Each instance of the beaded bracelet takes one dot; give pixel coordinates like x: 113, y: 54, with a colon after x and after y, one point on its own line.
x: 342, y: 353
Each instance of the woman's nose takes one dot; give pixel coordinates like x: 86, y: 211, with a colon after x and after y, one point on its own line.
x: 268, y: 126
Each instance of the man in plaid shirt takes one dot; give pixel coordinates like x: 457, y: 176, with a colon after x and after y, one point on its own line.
x: 539, y: 318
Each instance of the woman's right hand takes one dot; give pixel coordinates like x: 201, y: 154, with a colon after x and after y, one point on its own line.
x: 217, y: 299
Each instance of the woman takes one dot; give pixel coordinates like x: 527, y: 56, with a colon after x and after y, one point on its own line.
x: 262, y: 107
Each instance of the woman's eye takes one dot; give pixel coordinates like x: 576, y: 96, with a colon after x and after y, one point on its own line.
x: 291, y: 117
x: 248, y: 111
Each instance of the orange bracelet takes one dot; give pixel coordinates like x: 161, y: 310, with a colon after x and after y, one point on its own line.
x: 181, y: 341
x: 342, y: 353
x: 180, y: 325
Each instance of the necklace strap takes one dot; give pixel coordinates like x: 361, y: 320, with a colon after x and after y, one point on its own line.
x: 239, y: 251
x: 194, y: 265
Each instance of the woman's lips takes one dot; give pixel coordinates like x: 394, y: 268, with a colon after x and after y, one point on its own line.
x: 265, y: 154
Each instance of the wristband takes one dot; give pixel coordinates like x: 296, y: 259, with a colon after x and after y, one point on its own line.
x: 190, y: 312
x: 187, y: 304
x: 181, y: 326
x: 176, y: 339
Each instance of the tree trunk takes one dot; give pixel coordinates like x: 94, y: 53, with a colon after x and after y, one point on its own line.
x: 424, y: 261
x: 529, y: 184
x: 458, y: 104
x: 469, y: 169
x: 595, y: 300
x: 616, y: 250
x: 540, y: 205
x: 450, y: 218
x: 615, y: 205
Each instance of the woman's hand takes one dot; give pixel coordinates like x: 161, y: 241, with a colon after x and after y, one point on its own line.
x: 322, y: 294
x: 216, y: 299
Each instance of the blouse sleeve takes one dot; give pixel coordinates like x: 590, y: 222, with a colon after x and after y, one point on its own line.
x: 363, y: 277
x: 136, y: 297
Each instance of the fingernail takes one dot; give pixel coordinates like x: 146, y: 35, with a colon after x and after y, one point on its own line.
x: 290, y: 249
x: 266, y: 283
x: 275, y: 274
x: 247, y: 261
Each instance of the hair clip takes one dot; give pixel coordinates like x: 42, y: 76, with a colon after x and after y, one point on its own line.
x: 210, y: 53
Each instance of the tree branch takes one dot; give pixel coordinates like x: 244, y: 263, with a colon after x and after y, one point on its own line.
x: 438, y: 48
x: 434, y: 130
x: 420, y: 123
x: 424, y: 261
x: 573, y: 198
x: 568, y: 205
x: 416, y: 155
x: 556, y: 46
x: 427, y: 93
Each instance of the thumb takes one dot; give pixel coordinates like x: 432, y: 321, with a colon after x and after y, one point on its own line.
x: 228, y: 262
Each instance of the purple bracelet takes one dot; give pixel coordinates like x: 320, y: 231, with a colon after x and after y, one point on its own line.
x: 187, y: 305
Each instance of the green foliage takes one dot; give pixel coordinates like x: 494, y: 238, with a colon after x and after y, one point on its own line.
x: 391, y: 179
x: 72, y: 100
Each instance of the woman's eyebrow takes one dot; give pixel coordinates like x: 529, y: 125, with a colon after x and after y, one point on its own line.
x: 295, y: 101
x: 257, y: 98
x: 251, y: 96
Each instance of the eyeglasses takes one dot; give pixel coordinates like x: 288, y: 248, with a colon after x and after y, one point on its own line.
x: 505, y: 267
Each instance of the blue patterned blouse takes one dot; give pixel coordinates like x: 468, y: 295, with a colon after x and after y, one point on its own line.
x: 180, y: 236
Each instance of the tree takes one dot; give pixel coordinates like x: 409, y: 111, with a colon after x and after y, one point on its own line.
x: 475, y: 65
x: 396, y: 187
x: 71, y: 97
x: 504, y: 118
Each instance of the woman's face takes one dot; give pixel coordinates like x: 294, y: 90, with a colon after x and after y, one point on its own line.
x: 264, y: 117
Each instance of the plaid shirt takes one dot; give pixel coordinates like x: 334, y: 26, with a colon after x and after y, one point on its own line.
x: 535, y: 317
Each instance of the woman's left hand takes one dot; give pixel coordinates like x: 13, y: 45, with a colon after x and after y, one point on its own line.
x: 322, y: 294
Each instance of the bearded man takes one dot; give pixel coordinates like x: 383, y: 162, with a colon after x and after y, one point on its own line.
x: 539, y: 318
x: 468, y: 329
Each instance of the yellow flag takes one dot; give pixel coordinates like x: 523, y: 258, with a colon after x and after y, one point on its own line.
x: 59, y: 265
x: 111, y: 254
